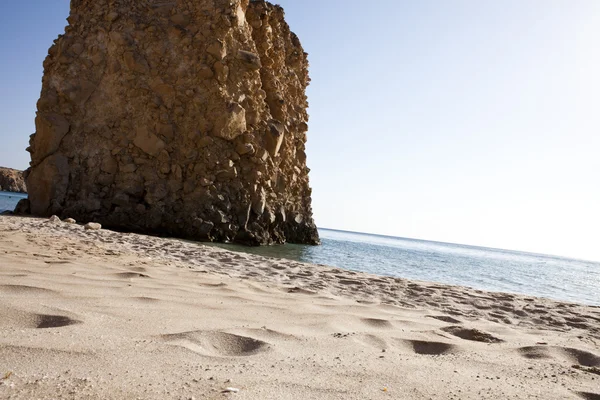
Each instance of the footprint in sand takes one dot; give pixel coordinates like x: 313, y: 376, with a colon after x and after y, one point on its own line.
x: 14, y: 318
x: 300, y: 290
x: 425, y: 347
x: 580, y: 357
x: 144, y: 299
x: 445, y: 318
x: 535, y: 352
x: 54, y: 321
x: 214, y: 285
x: 130, y: 275
x: 577, y: 322
x: 570, y: 355
x: 474, y: 335
x: 217, y: 344
x: 350, y: 282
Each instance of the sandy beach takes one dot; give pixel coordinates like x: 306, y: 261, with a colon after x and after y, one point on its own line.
x: 95, y: 314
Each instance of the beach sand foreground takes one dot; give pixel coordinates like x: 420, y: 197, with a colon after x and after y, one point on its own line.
x: 88, y: 314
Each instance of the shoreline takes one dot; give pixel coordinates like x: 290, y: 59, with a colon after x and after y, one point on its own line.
x: 292, y: 329
x: 16, y: 193
x: 236, y: 248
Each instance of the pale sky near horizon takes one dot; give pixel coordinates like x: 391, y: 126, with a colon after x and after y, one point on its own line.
x: 464, y: 121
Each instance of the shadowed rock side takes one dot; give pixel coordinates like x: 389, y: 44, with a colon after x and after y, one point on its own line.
x: 176, y: 118
x: 12, y: 180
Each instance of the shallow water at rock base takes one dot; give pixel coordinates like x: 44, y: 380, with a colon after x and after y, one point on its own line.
x: 9, y: 200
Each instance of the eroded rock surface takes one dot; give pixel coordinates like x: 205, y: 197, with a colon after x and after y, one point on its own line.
x: 11, y: 180
x: 176, y: 117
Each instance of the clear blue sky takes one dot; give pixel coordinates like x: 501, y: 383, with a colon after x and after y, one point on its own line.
x: 472, y: 122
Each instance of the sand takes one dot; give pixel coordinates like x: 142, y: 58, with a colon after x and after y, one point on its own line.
x: 90, y: 314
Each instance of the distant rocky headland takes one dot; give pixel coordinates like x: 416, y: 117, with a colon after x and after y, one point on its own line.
x: 11, y: 180
x: 178, y: 118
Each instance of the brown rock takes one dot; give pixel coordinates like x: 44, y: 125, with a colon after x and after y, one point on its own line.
x: 252, y: 60
x: 222, y: 71
x: 204, y: 72
x: 180, y: 19
x: 217, y: 49
x: 112, y: 16
x: 173, y: 118
x: 23, y: 207
x: 11, y: 180
x: 274, y: 137
x: 148, y: 142
x: 136, y: 62
x: 52, y: 129
x: 232, y: 123
x: 48, y: 184
x: 244, y: 148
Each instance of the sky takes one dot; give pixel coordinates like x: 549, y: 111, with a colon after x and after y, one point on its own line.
x: 463, y: 121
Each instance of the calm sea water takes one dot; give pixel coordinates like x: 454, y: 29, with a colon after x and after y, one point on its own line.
x: 478, y: 267
x: 481, y: 268
x: 9, y: 200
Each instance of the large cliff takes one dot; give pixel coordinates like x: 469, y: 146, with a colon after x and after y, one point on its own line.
x: 178, y: 118
x: 12, y: 180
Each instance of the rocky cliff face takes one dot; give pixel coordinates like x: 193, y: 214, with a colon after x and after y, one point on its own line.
x: 176, y: 117
x: 12, y: 180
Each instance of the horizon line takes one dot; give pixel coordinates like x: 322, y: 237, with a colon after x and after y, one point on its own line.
x: 463, y: 244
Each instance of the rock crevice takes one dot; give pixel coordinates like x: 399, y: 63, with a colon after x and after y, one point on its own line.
x: 178, y: 118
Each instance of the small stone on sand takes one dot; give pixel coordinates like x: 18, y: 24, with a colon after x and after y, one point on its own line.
x: 93, y: 226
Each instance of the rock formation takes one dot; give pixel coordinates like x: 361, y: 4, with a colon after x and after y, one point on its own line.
x: 181, y: 118
x: 12, y: 180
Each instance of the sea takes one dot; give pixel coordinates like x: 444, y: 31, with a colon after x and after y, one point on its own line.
x: 9, y: 200
x: 498, y: 270
x: 530, y: 274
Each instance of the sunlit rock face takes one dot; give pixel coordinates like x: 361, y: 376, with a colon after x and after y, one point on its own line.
x: 181, y: 118
x: 11, y: 180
